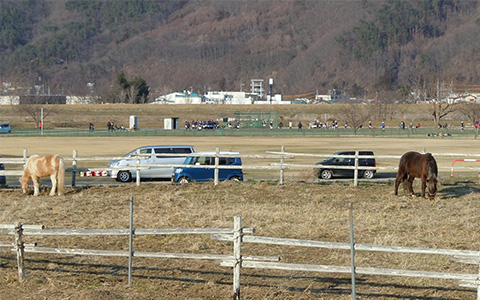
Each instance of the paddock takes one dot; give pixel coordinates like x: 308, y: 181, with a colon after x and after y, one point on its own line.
x: 296, y: 210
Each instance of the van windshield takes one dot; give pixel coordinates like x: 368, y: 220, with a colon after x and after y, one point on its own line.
x: 142, y: 151
x: 200, y: 160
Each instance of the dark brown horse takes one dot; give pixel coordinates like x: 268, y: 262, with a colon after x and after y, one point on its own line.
x: 424, y: 166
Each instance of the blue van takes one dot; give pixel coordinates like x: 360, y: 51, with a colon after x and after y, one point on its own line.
x: 187, y: 174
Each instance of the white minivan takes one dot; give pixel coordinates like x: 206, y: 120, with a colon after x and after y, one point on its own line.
x: 151, y: 155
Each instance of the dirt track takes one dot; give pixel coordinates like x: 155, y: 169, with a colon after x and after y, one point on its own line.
x: 107, y: 146
x: 118, y: 146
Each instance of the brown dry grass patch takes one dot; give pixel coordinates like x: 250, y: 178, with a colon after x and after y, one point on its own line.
x: 296, y: 210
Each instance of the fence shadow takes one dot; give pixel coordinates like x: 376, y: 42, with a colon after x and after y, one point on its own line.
x: 459, y: 189
x: 335, y: 285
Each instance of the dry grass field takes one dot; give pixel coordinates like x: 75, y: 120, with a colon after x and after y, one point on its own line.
x: 152, y: 116
x: 302, y: 208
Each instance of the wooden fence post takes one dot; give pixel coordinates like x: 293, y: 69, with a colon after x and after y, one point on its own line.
x: 137, y: 171
x: 19, y: 247
x: 352, y: 252
x: 217, y: 163
x: 355, y: 172
x: 74, y: 167
x: 25, y: 157
x: 282, y: 171
x: 130, y: 243
x: 237, y: 239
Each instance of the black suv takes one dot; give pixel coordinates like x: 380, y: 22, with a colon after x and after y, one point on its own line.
x: 324, y: 172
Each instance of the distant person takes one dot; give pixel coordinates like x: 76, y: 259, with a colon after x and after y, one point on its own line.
x: 290, y: 124
x: 462, y: 125
x: 383, y: 126
x: 91, y: 127
x: 300, y: 125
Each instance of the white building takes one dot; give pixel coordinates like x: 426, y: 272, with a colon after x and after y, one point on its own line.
x: 9, y: 100
x: 179, y: 98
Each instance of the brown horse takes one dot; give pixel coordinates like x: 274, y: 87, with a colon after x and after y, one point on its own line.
x: 424, y: 166
x: 41, y: 166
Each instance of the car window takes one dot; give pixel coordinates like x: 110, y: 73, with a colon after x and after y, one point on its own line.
x: 227, y: 160
x: 202, y: 160
x: 163, y: 150
x: 182, y: 150
x: 172, y: 151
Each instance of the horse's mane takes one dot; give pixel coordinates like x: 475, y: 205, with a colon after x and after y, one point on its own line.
x: 431, y: 166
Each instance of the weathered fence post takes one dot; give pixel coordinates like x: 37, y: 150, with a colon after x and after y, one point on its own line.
x: 282, y: 171
x: 137, y: 171
x: 352, y: 251
x: 355, y: 172
x: 237, y: 239
x: 74, y: 167
x: 130, y: 243
x: 19, y: 247
x: 217, y: 163
x: 25, y: 157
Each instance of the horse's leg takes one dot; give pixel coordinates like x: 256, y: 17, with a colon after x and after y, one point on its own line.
x: 410, y: 184
x: 53, y: 178
x: 36, y: 186
x: 398, y: 180
x: 424, y: 185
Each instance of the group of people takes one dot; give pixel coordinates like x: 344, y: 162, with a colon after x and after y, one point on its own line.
x: 319, y: 125
x: 112, y: 127
x: 316, y: 124
x: 210, y: 124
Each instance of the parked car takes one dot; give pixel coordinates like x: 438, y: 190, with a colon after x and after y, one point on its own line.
x: 3, y: 179
x: 5, y: 128
x: 153, y: 157
x: 325, y: 172
x: 187, y: 174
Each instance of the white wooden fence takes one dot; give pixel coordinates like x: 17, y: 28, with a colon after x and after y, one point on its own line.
x: 282, y: 156
x: 236, y: 260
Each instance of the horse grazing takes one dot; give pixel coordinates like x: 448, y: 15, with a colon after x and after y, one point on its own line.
x: 414, y: 164
x: 40, y: 166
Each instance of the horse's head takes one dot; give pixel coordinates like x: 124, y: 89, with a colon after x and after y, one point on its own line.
x: 24, y: 181
x: 432, y: 187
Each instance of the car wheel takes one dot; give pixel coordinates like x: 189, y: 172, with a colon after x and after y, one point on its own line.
x: 326, y: 174
x: 124, y: 176
x: 184, y: 180
x: 368, y: 174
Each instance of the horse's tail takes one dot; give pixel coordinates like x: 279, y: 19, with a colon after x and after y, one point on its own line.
x: 61, y: 175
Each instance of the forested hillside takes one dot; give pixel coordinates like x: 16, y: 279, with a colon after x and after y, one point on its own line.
x: 361, y: 47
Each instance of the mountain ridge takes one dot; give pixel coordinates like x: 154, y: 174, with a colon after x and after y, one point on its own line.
x: 221, y: 45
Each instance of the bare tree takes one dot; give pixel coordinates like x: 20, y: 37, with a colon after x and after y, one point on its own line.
x: 356, y: 114
x: 386, y: 106
x: 34, y: 112
x: 472, y: 111
x: 440, y: 110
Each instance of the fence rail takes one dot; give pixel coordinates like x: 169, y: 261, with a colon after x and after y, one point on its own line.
x: 236, y: 260
x: 281, y: 166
